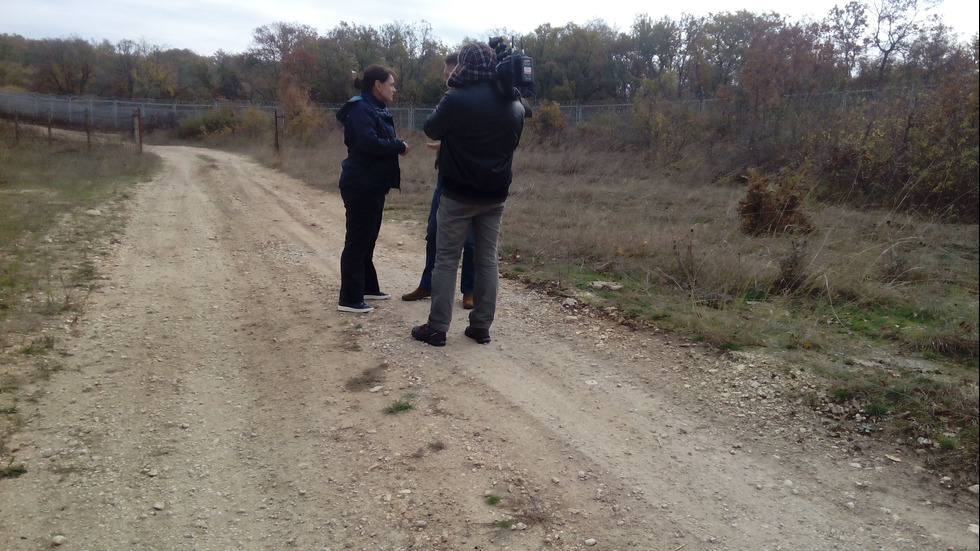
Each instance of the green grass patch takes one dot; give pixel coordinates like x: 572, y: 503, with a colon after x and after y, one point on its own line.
x: 884, y: 322
x: 12, y: 471
x: 402, y: 405
x: 875, y: 410
x: 399, y: 407
x: 947, y: 443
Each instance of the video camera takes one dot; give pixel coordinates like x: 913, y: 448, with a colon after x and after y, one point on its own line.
x: 514, y: 69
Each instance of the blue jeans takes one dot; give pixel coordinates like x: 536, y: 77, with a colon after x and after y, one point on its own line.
x: 466, y: 278
x: 455, y: 220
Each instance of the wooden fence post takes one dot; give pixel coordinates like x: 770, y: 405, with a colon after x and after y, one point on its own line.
x: 88, y: 128
x: 275, y: 114
x: 138, y: 130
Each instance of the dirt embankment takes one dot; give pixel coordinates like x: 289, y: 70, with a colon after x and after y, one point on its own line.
x: 209, y: 403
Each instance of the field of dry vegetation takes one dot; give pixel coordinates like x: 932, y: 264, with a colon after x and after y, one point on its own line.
x: 882, y: 306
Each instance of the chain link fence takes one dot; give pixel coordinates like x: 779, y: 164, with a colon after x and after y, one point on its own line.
x: 115, y: 114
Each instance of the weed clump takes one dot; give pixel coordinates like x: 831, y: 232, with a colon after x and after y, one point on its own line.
x: 792, y: 269
x: 772, y: 210
x: 405, y: 404
x: 39, y: 346
x: 12, y: 470
x: 398, y: 407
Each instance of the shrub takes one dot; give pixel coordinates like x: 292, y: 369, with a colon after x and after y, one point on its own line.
x: 662, y: 129
x: 547, y: 121
x: 772, y: 210
x: 912, y: 153
x: 253, y: 123
x: 211, y: 122
x: 303, y: 119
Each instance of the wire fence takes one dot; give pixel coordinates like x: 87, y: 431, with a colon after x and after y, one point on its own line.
x: 108, y: 113
x: 117, y: 114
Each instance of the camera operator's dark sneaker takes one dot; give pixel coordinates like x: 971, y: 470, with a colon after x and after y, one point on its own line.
x: 429, y: 335
x: 481, y: 336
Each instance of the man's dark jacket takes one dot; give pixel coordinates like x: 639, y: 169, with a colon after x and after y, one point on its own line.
x: 479, y: 127
x: 372, y: 148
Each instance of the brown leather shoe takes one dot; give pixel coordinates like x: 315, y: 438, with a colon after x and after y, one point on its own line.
x: 468, y: 301
x: 418, y: 294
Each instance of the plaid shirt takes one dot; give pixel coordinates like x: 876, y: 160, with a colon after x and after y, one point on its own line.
x: 477, y: 62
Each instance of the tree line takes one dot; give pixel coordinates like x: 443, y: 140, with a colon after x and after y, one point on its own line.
x: 763, y: 56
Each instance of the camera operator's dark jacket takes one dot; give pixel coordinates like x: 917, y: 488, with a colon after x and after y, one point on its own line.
x: 372, y: 148
x: 479, y: 127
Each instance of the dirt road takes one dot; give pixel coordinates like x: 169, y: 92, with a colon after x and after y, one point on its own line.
x: 210, y: 403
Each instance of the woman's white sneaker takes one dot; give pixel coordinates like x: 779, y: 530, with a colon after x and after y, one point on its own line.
x: 361, y: 308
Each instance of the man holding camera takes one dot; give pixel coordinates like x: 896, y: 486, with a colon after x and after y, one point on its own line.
x: 479, y: 123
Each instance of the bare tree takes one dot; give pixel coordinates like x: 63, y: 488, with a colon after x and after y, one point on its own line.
x: 894, y: 25
x: 846, y: 30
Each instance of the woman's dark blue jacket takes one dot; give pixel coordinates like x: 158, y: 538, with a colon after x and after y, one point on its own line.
x: 372, y: 148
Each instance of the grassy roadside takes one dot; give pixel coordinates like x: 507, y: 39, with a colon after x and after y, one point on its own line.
x: 61, y: 205
x: 881, y: 306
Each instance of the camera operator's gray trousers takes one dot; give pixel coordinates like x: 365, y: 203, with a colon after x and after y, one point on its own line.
x: 453, y: 221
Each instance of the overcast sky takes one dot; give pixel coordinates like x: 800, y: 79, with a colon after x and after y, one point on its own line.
x: 206, y: 26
